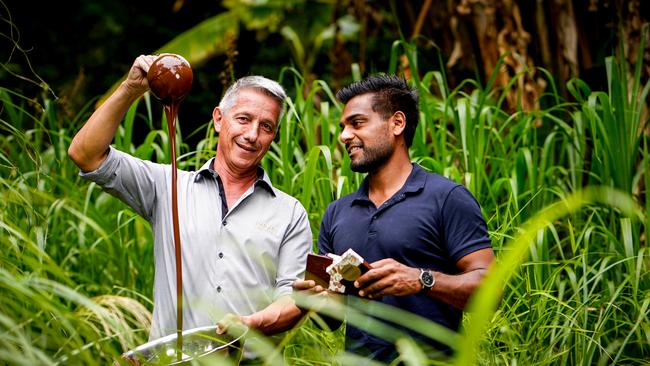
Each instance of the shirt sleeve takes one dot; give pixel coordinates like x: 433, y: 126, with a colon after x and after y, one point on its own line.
x: 297, y: 242
x: 128, y: 178
x: 324, y: 235
x: 464, y: 226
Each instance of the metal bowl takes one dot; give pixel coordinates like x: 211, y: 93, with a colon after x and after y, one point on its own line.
x: 198, y: 343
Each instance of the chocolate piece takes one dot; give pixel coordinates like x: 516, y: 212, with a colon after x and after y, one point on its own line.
x: 345, y: 270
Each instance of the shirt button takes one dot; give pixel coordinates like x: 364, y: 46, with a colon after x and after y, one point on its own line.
x: 224, y: 222
x: 374, y: 217
x: 218, y: 288
x: 220, y: 255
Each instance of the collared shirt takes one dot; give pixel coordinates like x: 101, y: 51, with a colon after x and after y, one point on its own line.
x: 431, y: 222
x: 234, y: 262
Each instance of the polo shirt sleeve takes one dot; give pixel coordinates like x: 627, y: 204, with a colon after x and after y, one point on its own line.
x: 325, y: 245
x: 128, y: 178
x: 297, y: 242
x: 464, y: 226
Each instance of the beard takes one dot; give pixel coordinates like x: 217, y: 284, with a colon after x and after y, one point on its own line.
x: 372, y: 157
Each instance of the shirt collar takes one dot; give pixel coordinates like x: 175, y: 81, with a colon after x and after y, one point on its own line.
x: 207, y: 170
x: 414, y: 183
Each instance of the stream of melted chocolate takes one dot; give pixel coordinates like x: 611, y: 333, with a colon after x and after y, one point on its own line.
x: 171, y: 112
x: 170, y: 79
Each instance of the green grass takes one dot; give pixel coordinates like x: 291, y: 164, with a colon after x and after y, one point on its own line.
x: 563, y: 190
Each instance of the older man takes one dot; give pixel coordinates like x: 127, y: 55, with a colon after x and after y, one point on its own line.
x: 244, y: 241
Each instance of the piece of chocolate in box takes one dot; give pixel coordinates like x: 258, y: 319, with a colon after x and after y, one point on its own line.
x: 344, y: 270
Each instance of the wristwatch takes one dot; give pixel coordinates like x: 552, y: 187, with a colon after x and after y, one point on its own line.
x: 427, y: 279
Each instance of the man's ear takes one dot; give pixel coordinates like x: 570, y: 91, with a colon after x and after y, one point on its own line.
x: 217, y: 118
x: 398, y: 123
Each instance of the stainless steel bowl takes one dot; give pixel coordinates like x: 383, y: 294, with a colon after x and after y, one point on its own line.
x: 198, y: 343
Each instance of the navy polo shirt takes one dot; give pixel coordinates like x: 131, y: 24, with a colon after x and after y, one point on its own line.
x: 431, y: 222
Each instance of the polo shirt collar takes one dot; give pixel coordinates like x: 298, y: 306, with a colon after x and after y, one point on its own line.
x: 414, y: 183
x: 207, y: 170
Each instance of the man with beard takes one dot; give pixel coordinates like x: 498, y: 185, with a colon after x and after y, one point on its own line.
x: 423, y: 234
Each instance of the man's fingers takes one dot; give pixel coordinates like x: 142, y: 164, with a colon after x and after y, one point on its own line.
x: 382, y: 262
x: 143, y: 63
x: 309, y: 286
x: 301, y: 285
x: 374, y: 288
x: 226, y: 322
x: 221, y: 328
x: 370, y: 276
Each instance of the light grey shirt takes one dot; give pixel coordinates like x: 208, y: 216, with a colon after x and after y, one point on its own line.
x: 237, y: 264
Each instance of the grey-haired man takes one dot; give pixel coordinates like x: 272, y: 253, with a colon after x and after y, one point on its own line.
x: 244, y: 241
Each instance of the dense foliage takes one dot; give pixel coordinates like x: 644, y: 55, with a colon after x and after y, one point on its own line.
x: 563, y: 189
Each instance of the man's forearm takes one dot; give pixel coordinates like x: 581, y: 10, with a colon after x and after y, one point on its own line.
x: 89, y: 146
x: 279, y: 316
x: 456, y: 290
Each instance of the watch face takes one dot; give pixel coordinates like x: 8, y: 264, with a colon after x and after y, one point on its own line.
x: 427, y: 279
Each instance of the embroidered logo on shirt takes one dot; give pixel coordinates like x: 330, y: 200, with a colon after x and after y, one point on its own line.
x: 263, y: 226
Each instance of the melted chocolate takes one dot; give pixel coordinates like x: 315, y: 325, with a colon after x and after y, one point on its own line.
x: 170, y: 79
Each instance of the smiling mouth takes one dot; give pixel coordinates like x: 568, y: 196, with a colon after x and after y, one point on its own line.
x: 351, y: 149
x: 247, y: 147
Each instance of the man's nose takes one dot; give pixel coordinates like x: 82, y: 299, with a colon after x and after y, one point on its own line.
x: 251, y: 132
x: 345, y: 135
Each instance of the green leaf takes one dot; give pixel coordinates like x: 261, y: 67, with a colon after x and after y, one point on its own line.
x: 198, y: 44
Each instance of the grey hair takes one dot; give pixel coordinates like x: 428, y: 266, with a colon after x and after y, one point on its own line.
x: 258, y: 83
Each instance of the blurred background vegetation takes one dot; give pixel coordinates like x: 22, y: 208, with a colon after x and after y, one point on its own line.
x: 79, y: 49
x: 539, y: 107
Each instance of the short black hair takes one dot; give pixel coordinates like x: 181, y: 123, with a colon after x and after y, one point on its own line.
x: 391, y: 94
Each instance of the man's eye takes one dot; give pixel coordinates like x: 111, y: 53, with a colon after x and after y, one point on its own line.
x: 267, y: 127
x: 242, y: 118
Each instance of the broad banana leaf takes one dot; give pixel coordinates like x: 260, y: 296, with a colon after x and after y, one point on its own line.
x: 198, y: 44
